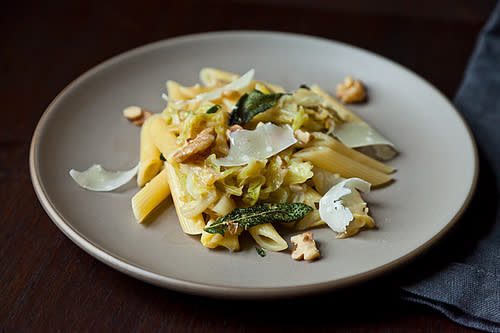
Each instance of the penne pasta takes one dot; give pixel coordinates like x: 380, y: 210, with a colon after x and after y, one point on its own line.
x: 334, y: 162
x: 150, y: 162
x: 267, y: 237
x: 325, y: 140
x: 190, y: 225
x: 173, y: 91
x: 166, y: 143
x: 223, y: 206
x: 230, y: 242
x: 163, y: 139
x: 150, y: 196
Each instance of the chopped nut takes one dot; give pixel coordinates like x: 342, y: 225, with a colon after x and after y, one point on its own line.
x: 132, y: 112
x: 351, y: 91
x: 303, y: 136
x: 305, y: 247
x: 136, y: 115
x: 202, y: 142
x: 231, y: 93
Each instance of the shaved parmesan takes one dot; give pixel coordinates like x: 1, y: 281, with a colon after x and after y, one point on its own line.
x: 334, y: 205
x: 96, y: 178
x: 263, y: 142
x: 362, y: 135
x: 237, y: 84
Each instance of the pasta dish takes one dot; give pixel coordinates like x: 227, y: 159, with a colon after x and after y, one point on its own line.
x: 237, y: 154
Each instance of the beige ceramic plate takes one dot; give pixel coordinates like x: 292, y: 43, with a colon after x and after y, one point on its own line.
x: 434, y: 182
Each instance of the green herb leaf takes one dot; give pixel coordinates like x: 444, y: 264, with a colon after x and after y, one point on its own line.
x: 250, y: 105
x: 260, y: 251
x: 213, y: 109
x: 305, y: 86
x: 162, y: 157
x: 260, y: 214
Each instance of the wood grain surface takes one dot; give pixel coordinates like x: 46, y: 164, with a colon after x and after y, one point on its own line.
x: 47, y: 283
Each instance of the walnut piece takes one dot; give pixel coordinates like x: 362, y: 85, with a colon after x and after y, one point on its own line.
x: 305, y: 247
x: 136, y: 115
x: 202, y: 142
x: 351, y: 91
x: 303, y: 136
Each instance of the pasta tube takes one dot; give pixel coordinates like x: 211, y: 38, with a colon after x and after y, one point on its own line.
x: 223, y: 206
x: 150, y: 196
x: 267, y: 237
x: 334, y: 162
x: 166, y: 143
x: 163, y: 139
x: 322, y: 139
x: 150, y: 163
x: 173, y: 91
x: 230, y: 242
x: 190, y: 225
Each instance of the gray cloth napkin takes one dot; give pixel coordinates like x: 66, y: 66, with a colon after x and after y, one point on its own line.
x: 464, y: 283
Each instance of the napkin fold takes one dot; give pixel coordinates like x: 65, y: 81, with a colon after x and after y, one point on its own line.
x: 466, y: 288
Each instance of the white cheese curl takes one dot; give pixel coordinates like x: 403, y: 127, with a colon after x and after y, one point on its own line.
x: 263, y: 142
x: 96, y: 178
x: 331, y: 207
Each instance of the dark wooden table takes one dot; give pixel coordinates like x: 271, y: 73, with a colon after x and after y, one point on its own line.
x: 48, y: 283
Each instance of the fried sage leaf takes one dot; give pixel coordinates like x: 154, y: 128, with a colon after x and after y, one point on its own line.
x: 213, y: 109
x: 260, y: 214
x: 250, y: 105
x: 260, y: 251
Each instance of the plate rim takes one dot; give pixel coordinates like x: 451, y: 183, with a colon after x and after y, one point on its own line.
x: 216, y: 290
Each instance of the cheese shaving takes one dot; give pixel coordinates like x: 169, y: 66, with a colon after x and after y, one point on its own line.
x: 362, y: 135
x: 331, y: 206
x: 263, y: 142
x: 96, y: 178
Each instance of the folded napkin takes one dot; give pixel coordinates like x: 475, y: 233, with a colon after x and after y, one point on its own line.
x: 465, y: 285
